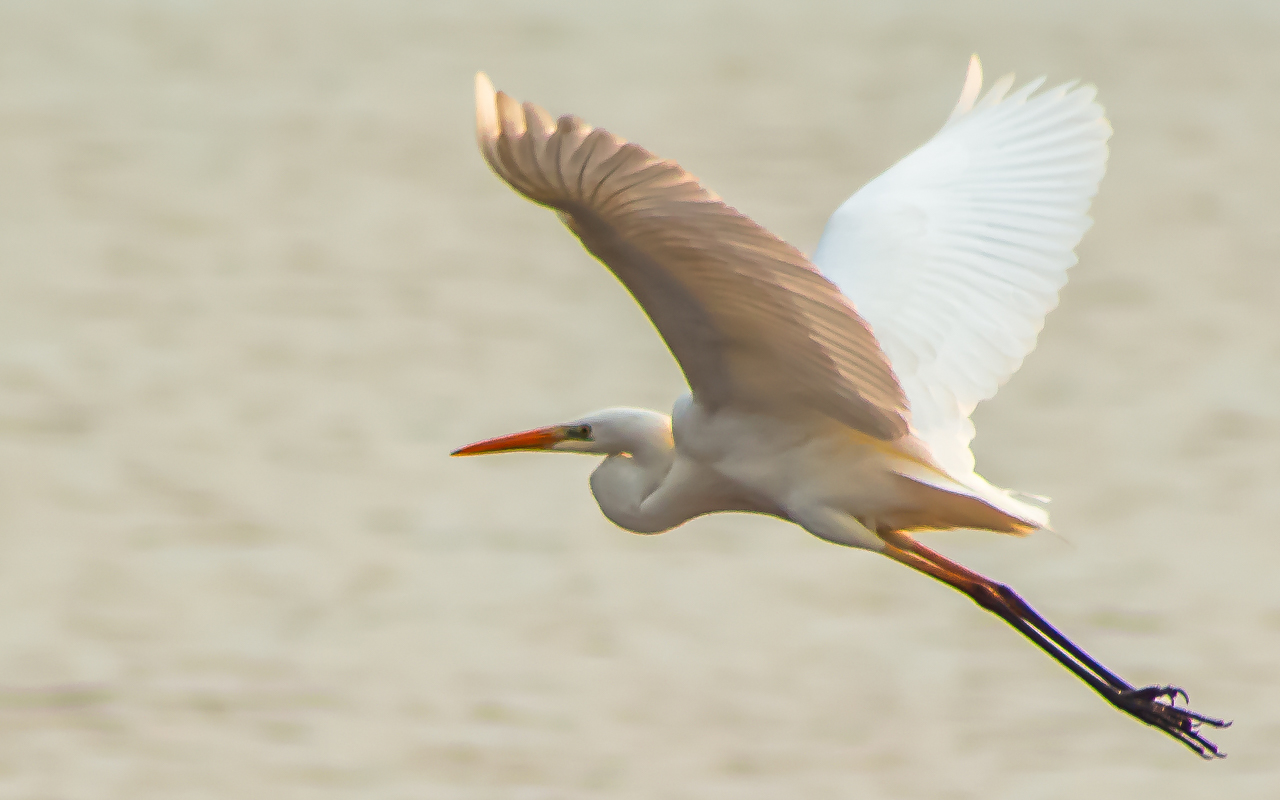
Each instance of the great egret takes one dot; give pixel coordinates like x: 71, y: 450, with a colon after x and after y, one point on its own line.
x: 845, y: 413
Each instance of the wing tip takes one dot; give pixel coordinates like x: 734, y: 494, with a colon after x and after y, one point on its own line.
x: 1075, y: 91
x: 497, y: 116
x: 486, y: 109
x: 995, y: 95
x: 969, y: 92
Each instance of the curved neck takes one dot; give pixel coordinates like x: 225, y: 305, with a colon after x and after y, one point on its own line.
x: 632, y: 475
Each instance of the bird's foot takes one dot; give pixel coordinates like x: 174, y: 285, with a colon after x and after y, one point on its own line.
x: 1147, y: 704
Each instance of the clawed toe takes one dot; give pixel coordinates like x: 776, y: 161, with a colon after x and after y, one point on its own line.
x: 1181, y: 723
x: 1156, y: 692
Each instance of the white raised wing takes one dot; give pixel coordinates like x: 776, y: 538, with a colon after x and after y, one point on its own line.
x: 748, y: 318
x: 957, y: 252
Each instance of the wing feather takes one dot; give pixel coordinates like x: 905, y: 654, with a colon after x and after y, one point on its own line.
x: 955, y: 255
x: 752, y: 323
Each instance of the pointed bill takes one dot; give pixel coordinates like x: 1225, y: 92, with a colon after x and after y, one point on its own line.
x: 536, y: 439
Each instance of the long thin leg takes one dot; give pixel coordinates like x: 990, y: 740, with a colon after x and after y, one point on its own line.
x: 1143, y: 704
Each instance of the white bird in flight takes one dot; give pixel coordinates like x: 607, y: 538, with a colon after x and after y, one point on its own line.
x: 835, y: 394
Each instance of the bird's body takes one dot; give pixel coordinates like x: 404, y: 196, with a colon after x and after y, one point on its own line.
x: 834, y: 394
x: 835, y: 482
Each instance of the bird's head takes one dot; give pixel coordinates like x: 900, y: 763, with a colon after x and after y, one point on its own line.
x: 609, y: 432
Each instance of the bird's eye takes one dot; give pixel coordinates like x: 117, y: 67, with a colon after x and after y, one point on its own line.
x: 582, y: 432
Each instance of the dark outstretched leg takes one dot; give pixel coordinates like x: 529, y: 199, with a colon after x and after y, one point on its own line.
x: 1144, y: 704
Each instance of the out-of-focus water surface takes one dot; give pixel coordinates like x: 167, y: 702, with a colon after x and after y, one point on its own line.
x: 255, y: 283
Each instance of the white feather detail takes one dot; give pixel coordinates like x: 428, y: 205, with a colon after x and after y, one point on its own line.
x: 955, y: 254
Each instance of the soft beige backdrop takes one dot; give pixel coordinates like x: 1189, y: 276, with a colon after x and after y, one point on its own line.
x: 255, y: 283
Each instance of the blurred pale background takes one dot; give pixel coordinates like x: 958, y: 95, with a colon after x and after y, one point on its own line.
x: 255, y: 282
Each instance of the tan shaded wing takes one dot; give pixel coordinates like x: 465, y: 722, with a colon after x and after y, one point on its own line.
x: 752, y: 324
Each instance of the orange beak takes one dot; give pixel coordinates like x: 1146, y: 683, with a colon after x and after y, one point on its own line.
x: 536, y: 439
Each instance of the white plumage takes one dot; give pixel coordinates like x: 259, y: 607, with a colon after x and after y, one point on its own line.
x: 955, y: 254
